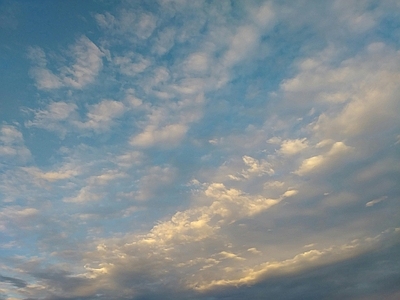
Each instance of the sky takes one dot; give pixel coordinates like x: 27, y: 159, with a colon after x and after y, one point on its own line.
x: 204, y: 150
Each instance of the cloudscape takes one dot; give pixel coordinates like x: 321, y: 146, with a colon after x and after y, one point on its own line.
x: 204, y: 150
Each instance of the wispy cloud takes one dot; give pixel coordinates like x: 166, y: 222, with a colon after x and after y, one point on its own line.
x: 63, y: 117
x: 85, y: 65
x: 12, y: 144
x: 375, y: 201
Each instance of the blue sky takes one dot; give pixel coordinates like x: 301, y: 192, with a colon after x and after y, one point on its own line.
x: 199, y: 149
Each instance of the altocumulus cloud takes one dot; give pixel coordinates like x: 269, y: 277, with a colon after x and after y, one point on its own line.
x: 200, y: 150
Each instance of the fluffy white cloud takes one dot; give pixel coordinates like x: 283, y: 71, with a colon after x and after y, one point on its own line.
x: 101, y: 115
x: 256, y: 167
x: 291, y: 147
x: 325, y: 160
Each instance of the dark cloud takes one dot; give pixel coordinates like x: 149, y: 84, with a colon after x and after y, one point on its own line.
x: 60, y: 279
x: 374, y: 275
x: 14, y: 281
x: 370, y: 276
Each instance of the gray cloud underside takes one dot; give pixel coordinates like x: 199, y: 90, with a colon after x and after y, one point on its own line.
x: 370, y: 276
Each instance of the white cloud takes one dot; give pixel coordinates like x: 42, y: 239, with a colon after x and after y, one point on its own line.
x: 45, y: 79
x: 274, y: 140
x: 87, y: 64
x: 106, y: 177
x: 200, y: 223
x: 131, y: 64
x: 132, y: 100
x: 257, y: 167
x: 54, y: 117
x: 291, y: 147
x: 273, y: 184
x: 146, y: 25
x: 334, y: 155
x: 264, y: 15
x: 63, y: 117
x: 91, y: 185
x: 164, y: 41
x: 129, y: 159
x: 85, y: 194
x: 361, y: 91
x: 167, y: 136
x: 61, y: 174
x: 197, y: 62
x: 12, y: 143
x: 246, y: 37
x: 101, y: 116
x: 241, y: 44
x: 375, y: 201
x: 10, y: 135
x: 128, y: 22
x: 105, y: 20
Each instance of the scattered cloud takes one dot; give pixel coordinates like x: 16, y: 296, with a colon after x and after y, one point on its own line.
x: 291, y: 147
x: 63, y: 117
x: 85, y: 65
x: 201, y: 150
x: 88, y: 63
x: 256, y: 167
x: 131, y: 64
x: 324, y: 160
x: 375, y: 201
x: 101, y: 116
x: 12, y: 144
x: 52, y: 176
x: 166, y: 136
